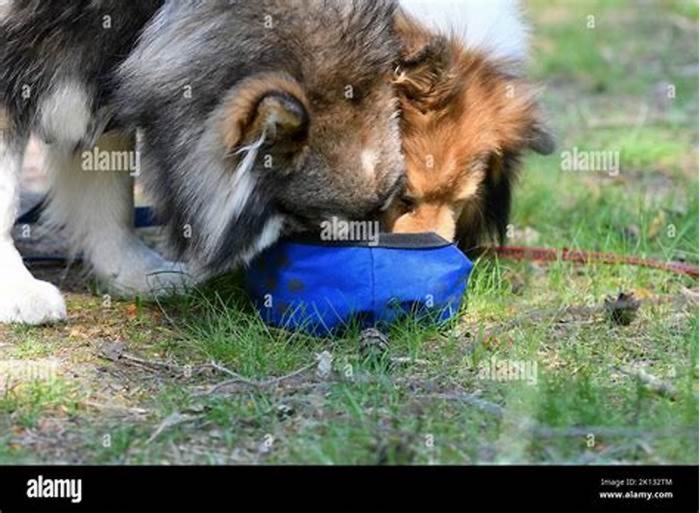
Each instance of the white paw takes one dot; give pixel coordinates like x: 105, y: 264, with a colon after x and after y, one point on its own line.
x: 30, y: 301
x: 165, y: 279
x: 148, y: 274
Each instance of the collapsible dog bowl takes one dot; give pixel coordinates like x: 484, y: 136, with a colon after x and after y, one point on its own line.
x: 325, y: 287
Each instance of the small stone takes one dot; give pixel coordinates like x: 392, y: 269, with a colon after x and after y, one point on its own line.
x: 113, y: 350
x: 284, y: 411
x: 325, y: 365
x: 396, y: 450
x: 631, y: 233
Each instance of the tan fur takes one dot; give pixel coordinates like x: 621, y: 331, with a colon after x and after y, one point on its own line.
x: 461, y: 115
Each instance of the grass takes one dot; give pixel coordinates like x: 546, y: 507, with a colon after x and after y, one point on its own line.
x: 607, y: 89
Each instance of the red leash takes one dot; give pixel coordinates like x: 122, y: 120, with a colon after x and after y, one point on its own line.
x: 520, y: 253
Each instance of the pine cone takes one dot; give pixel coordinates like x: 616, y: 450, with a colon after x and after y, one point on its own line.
x: 374, y: 345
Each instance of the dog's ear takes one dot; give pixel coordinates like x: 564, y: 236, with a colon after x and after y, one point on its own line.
x: 423, y: 60
x: 280, y: 119
x: 421, y: 49
x: 419, y: 73
x: 523, y: 112
x: 270, y: 109
x: 412, y: 36
x: 540, y: 140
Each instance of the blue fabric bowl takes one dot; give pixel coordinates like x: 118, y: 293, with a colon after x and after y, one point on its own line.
x: 323, y: 288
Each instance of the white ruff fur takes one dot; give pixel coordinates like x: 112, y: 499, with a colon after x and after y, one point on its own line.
x: 66, y: 113
x: 244, y: 181
x: 227, y: 196
x: 270, y: 234
x: 495, y: 27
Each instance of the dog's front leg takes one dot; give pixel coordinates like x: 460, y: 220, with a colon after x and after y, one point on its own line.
x: 92, y: 202
x: 23, y: 299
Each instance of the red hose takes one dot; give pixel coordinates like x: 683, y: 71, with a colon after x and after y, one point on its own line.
x: 521, y: 253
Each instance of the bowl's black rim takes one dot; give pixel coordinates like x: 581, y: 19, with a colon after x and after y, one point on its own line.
x: 406, y: 241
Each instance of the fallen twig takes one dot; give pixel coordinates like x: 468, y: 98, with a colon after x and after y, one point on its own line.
x: 603, y: 431
x: 114, y: 407
x: 652, y: 383
x: 482, y: 404
x: 151, y: 363
x: 172, y: 420
x: 237, y: 379
x: 134, y: 364
x: 115, y: 353
x: 408, y: 361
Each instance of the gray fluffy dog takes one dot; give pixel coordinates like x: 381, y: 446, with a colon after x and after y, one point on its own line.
x: 259, y: 118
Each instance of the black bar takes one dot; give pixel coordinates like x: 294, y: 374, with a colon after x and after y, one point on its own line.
x: 436, y: 488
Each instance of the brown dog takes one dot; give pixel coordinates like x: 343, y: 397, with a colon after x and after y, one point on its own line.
x: 467, y: 117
